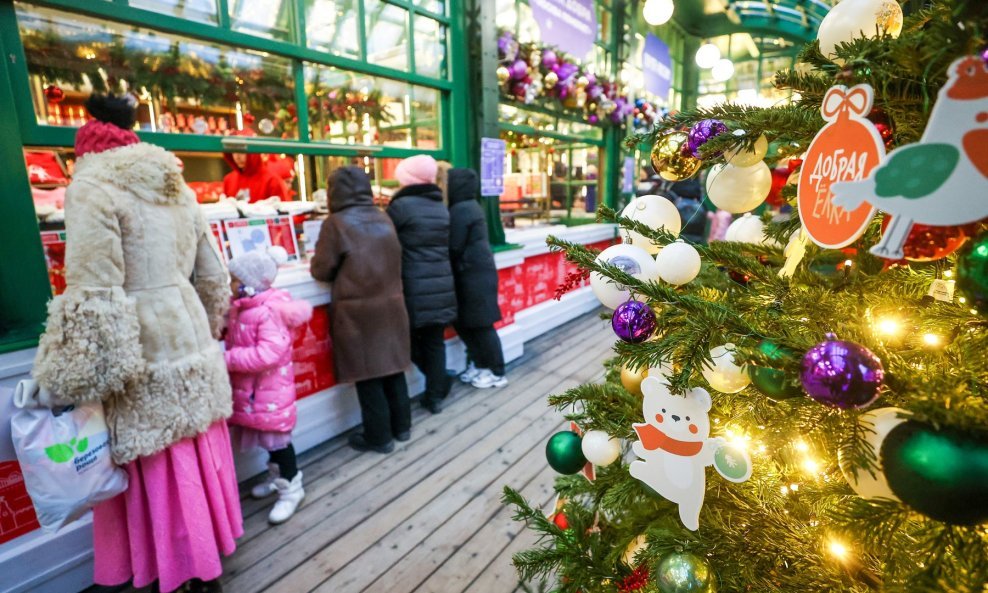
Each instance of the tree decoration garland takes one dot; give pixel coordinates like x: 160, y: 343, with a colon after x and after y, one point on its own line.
x: 532, y: 73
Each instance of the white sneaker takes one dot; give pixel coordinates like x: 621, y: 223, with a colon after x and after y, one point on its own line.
x: 266, y: 488
x: 470, y: 374
x: 290, y: 495
x: 487, y: 379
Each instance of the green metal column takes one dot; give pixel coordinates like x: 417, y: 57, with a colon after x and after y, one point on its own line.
x: 483, y: 96
x: 462, y: 139
x: 611, y: 169
x: 691, y: 72
x: 24, y: 289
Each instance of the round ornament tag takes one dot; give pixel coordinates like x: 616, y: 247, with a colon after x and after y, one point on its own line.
x: 846, y: 149
x: 732, y: 463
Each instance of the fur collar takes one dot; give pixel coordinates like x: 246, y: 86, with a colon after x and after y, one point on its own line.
x: 147, y: 171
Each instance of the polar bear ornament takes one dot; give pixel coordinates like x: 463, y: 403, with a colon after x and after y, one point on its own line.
x: 675, y: 448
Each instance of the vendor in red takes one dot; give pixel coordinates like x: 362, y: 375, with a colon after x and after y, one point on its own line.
x: 252, y: 176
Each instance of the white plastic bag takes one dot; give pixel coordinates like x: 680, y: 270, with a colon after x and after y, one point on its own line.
x: 64, y: 454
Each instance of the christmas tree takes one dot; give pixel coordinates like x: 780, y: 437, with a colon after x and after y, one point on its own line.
x: 820, y: 362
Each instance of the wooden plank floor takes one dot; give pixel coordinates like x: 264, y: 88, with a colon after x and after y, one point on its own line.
x: 427, y: 517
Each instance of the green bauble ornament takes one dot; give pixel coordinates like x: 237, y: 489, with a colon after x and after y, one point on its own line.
x: 940, y: 473
x: 972, y: 272
x: 565, y: 452
x: 775, y: 384
x: 685, y: 573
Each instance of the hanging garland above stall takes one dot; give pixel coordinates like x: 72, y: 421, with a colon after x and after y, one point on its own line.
x: 537, y: 74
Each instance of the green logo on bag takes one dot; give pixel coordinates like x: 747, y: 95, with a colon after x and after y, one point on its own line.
x: 64, y: 452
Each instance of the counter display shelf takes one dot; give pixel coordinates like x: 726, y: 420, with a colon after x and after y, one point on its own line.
x: 529, y: 275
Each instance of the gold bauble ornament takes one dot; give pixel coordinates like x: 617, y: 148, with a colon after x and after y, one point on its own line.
x: 632, y: 380
x: 502, y: 74
x: 535, y: 58
x: 550, y: 80
x: 671, y: 162
x: 582, y: 82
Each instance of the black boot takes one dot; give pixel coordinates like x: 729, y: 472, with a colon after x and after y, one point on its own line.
x: 359, y: 442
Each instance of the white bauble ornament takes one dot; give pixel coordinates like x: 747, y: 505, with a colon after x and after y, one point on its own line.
x: 858, y: 18
x: 741, y: 157
x: 599, y: 448
x: 678, y: 263
x: 747, y: 229
x: 630, y: 259
x: 724, y: 375
x: 655, y: 212
x: 739, y: 189
x: 876, y: 424
x: 352, y: 128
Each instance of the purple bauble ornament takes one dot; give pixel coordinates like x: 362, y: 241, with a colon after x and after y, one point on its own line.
x: 701, y: 132
x: 507, y: 47
x: 984, y: 54
x: 549, y: 58
x: 594, y: 91
x: 633, y: 322
x: 842, y: 374
x: 519, y: 69
x: 593, y: 118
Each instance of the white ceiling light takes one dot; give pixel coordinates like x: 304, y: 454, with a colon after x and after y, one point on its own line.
x: 723, y: 70
x: 657, y: 12
x: 707, y: 55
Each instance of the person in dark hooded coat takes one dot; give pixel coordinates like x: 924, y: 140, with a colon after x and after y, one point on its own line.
x: 476, y: 281
x: 422, y: 222
x: 358, y: 251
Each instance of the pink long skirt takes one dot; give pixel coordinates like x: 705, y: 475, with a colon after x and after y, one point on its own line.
x: 180, y: 513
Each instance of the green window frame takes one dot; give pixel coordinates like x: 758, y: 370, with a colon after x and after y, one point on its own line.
x: 24, y: 289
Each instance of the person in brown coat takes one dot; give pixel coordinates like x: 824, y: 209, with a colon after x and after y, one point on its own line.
x: 358, y: 251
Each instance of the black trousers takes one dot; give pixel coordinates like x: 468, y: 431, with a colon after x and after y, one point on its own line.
x: 385, y: 408
x: 429, y: 355
x: 483, y: 347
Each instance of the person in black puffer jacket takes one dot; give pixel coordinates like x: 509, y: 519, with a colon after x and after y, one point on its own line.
x: 422, y: 222
x: 476, y: 281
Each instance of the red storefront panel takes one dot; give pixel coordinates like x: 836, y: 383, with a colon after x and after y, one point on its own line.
x: 313, y: 356
x: 16, y: 511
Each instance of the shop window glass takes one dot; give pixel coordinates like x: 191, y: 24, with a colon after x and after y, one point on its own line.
x: 430, y: 47
x: 203, y: 11
x: 349, y: 108
x: 331, y: 26
x: 265, y: 18
x: 387, y: 34
x: 507, y: 16
x: 184, y: 86
x: 436, y: 6
x: 381, y: 172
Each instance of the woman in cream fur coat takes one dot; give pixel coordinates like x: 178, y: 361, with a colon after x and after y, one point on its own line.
x: 137, y: 329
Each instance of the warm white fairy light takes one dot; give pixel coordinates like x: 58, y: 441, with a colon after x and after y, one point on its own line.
x: 801, y: 446
x: 811, y: 466
x: 931, y: 339
x: 948, y: 274
x: 888, y: 326
x: 794, y: 487
x: 838, y: 549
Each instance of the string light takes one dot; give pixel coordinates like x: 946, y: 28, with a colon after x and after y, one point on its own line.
x: 948, y: 274
x: 888, y: 326
x: 931, y: 340
x: 811, y: 466
x: 801, y: 446
x: 838, y: 549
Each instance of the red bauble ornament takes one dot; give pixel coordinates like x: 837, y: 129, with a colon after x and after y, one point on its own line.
x: 54, y: 93
x: 560, y: 520
x: 780, y: 175
x: 929, y: 243
x: 249, y: 118
x: 883, y: 124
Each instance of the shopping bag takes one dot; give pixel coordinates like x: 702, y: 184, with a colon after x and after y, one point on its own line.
x: 64, y: 454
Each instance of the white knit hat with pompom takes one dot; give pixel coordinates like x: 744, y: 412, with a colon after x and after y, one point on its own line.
x: 257, y: 270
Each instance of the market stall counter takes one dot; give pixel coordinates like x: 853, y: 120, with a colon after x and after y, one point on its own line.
x: 529, y: 274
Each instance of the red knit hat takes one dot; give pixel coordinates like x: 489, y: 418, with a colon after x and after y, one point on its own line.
x: 97, y: 136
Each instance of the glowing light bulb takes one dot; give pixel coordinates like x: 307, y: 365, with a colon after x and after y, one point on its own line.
x: 888, y: 326
x: 723, y: 70
x: 948, y: 274
x: 658, y: 12
x: 811, y: 466
x: 784, y: 491
x: 931, y: 339
x: 838, y: 549
x: 794, y: 487
x: 848, y: 263
x: 801, y: 446
x: 707, y: 56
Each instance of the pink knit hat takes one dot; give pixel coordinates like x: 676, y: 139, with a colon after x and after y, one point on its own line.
x: 417, y: 170
x: 97, y: 136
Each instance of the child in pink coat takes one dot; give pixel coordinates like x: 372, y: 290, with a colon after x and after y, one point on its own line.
x: 259, y: 358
